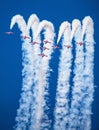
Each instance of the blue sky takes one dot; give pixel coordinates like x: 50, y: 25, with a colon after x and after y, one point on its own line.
x: 55, y: 11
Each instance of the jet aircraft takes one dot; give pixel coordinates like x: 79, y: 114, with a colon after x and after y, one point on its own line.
x: 44, y: 48
x: 56, y: 47
x: 80, y: 43
x: 34, y: 42
x: 68, y: 46
x: 25, y: 37
x: 42, y: 55
x: 9, y: 33
x: 46, y: 41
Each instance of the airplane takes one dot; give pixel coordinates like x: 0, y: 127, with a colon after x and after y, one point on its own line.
x: 9, y: 32
x: 25, y: 37
x: 56, y: 47
x: 42, y: 55
x: 44, y: 48
x: 34, y: 42
x: 46, y: 41
x: 80, y: 43
x: 68, y: 46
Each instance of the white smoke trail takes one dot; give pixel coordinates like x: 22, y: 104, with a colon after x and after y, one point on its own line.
x: 43, y: 107
x: 21, y: 24
x: 22, y: 118
x: 78, y: 80
x: 33, y: 108
x: 33, y: 23
x: 63, y: 87
x: 88, y: 90
x: 62, y: 29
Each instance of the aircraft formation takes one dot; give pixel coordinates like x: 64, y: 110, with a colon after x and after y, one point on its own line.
x: 69, y: 113
x: 45, y: 42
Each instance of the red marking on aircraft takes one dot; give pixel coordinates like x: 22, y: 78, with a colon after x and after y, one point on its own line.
x: 25, y: 37
x: 68, y: 46
x: 46, y: 41
x: 9, y: 32
x: 42, y: 55
x: 80, y: 43
x: 34, y: 42
x: 44, y: 48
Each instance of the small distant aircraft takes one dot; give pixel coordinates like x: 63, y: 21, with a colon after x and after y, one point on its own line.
x: 42, y: 55
x: 46, y: 41
x: 34, y: 42
x: 68, y: 46
x: 80, y: 43
x: 25, y: 37
x: 44, y: 48
x: 9, y: 32
x: 56, y: 47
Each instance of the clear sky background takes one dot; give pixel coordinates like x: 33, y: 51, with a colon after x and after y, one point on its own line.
x: 55, y: 11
